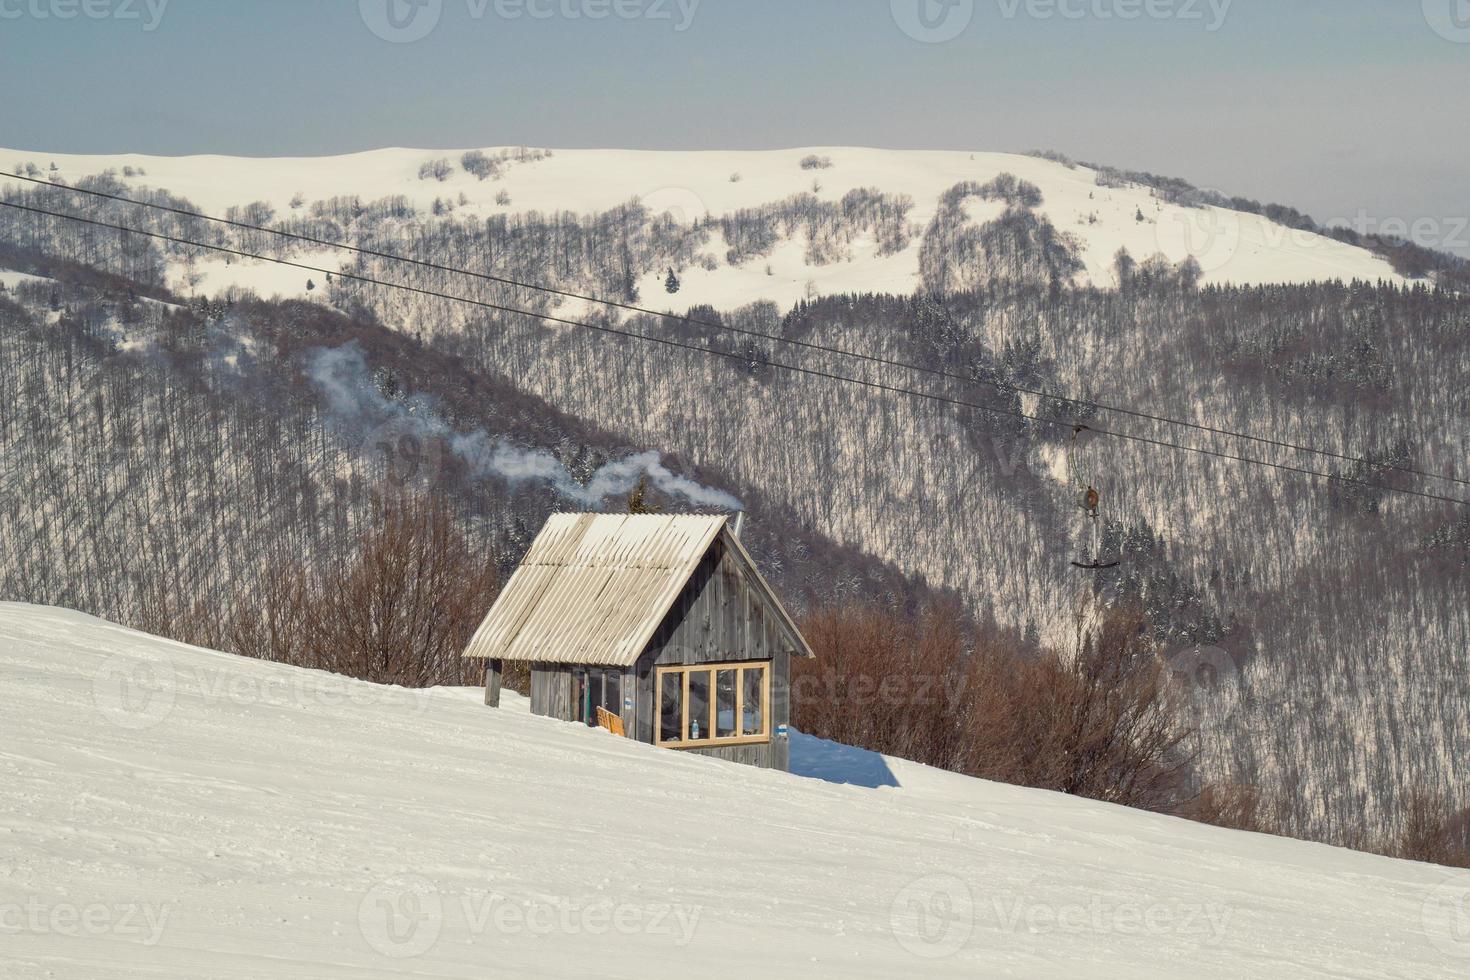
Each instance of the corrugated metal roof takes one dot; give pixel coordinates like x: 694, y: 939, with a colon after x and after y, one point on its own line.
x: 594, y: 588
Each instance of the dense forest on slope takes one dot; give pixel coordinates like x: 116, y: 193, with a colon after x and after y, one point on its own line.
x: 1338, y: 615
x: 1322, y: 628
x: 161, y: 456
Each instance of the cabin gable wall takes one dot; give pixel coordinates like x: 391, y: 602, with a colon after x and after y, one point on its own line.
x: 720, y: 617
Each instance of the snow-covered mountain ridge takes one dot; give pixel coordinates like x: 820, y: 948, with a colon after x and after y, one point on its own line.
x: 170, y: 812
x: 690, y: 186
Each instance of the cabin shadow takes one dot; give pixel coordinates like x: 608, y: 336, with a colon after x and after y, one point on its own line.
x: 832, y: 762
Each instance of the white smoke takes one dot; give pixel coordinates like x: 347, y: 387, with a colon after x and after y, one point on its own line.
x: 516, y: 466
x: 344, y: 379
x: 345, y: 382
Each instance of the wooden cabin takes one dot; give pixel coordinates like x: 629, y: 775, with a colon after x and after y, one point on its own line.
x: 661, y: 621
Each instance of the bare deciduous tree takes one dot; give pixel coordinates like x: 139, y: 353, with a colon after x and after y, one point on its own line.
x: 404, y: 610
x: 1097, y: 724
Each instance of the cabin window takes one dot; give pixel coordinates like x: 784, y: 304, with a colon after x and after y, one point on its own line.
x: 697, y: 727
x: 671, y: 707
x: 717, y: 704
x: 725, y: 703
x: 753, y: 681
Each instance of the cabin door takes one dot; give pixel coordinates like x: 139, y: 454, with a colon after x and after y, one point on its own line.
x: 593, y: 689
x: 581, y: 692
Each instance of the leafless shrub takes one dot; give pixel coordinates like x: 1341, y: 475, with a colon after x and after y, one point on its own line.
x: 480, y: 164
x: 401, y: 611
x: 196, y: 623
x: 436, y: 170
x: 885, y: 682
x: 1055, y: 157
x: 1096, y: 725
x: 1431, y: 832
x: 404, y: 611
x: 1231, y: 805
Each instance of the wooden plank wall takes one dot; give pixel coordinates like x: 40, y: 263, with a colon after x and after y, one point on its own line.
x: 720, y: 618
x: 629, y: 712
x: 551, y: 691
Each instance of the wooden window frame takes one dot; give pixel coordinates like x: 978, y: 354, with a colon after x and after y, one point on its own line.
x: 712, y: 669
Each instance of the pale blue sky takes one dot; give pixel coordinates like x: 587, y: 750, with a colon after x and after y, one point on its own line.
x: 1330, y: 105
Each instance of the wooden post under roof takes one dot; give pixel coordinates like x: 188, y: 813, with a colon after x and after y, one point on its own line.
x: 493, y: 670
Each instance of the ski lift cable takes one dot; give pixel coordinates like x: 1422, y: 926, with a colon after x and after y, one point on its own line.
x: 732, y: 355
x: 763, y: 335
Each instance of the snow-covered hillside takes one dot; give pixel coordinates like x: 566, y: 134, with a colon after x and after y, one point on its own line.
x: 1230, y: 246
x: 169, y: 812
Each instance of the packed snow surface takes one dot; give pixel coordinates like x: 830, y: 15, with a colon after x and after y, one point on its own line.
x: 169, y: 812
x: 1231, y: 246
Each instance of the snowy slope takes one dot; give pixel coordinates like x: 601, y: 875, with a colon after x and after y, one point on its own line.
x: 1230, y: 246
x: 10, y: 279
x: 170, y: 812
